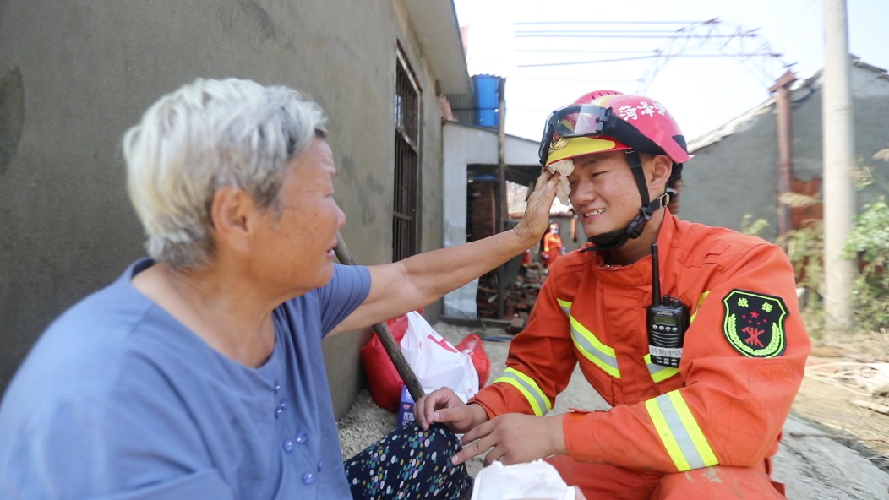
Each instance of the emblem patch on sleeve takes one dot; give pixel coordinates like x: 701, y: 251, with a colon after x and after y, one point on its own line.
x: 754, y: 323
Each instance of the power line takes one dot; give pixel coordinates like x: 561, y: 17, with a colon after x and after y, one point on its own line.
x: 562, y: 79
x: 593, y: 31
x: 585, y: 51
x: 696, y: 37
x: 682, y: 40
x: 532, y: 23
x: 789, y: 29
x: 649, y: 56
x: 576, y: 63
x: 557, y: 34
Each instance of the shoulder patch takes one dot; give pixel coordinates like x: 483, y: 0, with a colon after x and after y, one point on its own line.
x: 754, y: 323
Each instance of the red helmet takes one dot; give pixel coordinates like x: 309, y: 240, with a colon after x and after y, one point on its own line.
x: 606, y: 120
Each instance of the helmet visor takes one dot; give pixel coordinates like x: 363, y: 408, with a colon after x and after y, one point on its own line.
x: 576, y: 121
x: 584, y: 120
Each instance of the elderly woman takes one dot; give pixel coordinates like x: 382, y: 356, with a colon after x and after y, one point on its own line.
x: 198, y: 373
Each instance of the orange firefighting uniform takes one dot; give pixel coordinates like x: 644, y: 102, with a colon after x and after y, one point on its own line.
x: 705, y: 430
x: 552, y: 248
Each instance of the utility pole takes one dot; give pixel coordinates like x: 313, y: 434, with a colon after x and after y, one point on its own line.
x: 501, y: 157
x: 502, y: 209
x: 785, y: 151
x: 839, y: 158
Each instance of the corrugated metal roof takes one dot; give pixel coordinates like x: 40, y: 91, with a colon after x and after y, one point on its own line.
x: 436, y: 27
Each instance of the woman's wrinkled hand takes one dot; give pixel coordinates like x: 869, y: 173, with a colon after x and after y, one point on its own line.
x: 536, y: 218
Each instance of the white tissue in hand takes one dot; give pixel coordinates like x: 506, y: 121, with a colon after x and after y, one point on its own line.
x: 563, y: 189
x: 537, y: 479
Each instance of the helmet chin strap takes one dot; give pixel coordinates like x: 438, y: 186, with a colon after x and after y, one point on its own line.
x: 616, y: 239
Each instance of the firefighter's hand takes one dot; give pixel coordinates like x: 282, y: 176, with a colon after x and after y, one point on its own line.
x: 444, y: 406
x: 536, y: 218
x: 514, y: 438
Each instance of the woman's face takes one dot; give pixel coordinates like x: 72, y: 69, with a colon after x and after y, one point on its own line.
x: 295, y: 244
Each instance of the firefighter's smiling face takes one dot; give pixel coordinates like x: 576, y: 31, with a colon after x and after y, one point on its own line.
x: 604, y: 192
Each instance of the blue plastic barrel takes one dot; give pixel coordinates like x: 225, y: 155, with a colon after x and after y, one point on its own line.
x: 487, y: 100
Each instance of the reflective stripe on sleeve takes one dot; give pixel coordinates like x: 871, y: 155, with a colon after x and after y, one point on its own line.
x: 529, y: 388
x: 679, y: 432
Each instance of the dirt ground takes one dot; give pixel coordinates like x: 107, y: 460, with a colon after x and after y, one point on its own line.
x: 812, y: 466
x: 828, y: 401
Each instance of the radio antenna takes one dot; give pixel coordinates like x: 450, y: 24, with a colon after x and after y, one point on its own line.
x: 655, y: 282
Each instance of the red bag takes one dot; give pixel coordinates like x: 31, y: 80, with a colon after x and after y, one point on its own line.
x: 472, y: 345
x: 383, y: 381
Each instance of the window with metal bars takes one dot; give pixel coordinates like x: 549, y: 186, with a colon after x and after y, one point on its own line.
x: 405, y: 219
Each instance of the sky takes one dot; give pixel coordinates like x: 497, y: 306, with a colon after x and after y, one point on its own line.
x: 525, y: 40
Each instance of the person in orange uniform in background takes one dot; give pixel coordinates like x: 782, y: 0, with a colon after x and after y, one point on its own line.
x: 700, y: 382
x: 552, y: 246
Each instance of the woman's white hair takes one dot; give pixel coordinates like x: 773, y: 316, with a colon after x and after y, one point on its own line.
x: 207, y: 135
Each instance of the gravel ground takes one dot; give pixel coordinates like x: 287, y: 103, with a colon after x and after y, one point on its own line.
x: 812, y: 468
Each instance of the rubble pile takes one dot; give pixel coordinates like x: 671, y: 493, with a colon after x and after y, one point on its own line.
x: 521, y: 294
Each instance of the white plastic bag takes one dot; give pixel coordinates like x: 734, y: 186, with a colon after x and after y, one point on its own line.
x: 435, y: 361
x: 537, y: 479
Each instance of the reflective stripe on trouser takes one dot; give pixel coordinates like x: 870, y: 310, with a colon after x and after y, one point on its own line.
x: 589, y: 345
x: 680, y: 433
x: 529, y: 388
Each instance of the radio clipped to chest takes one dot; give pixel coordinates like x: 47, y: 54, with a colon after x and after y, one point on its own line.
x: 667, y: 321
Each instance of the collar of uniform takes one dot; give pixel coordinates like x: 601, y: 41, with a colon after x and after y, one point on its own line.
x: 639, y: 272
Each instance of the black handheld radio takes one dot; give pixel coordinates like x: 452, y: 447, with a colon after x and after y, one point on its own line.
x: 667, y: 322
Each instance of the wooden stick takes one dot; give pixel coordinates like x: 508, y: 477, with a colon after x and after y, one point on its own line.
x: 884, y: 409
x: 828, y: 436
x: 392, y: 348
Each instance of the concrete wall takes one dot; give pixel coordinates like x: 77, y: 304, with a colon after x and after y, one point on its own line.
x: 467, y: 145
x: 737, y: 174
x: 870, y: 93
x: 734, y: 176
x: 75, y: 75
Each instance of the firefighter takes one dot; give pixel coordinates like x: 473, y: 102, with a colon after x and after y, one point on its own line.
x: 552, y: 247
x: 700, y: 382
